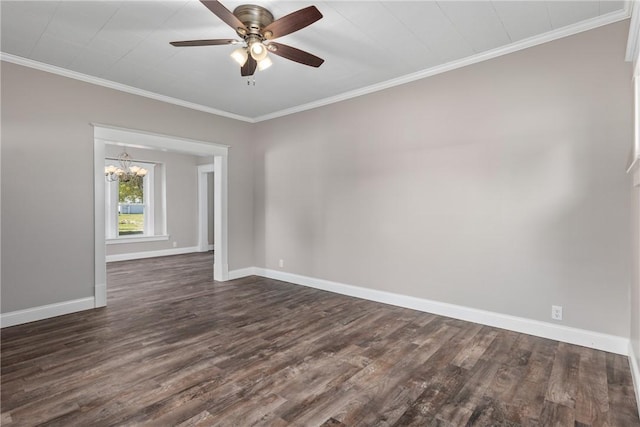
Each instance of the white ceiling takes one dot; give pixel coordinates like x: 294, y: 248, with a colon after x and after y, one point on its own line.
x: 366, y: 45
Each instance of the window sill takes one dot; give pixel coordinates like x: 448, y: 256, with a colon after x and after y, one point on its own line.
x: 136, y: 239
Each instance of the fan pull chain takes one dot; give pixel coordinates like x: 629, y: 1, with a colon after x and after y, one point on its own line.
x: 251, y: 82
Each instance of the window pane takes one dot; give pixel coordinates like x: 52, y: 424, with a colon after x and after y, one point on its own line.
x: 131, y: 207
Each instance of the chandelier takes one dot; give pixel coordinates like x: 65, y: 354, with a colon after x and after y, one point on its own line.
x: 125, y: 172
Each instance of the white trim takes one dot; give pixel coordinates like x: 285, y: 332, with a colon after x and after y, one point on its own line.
x: 242, y: 272
x: 122, y: 136
x: 635, y: 147
x: 143, y: 139
x: 559, y: 33
x: 163, y: 191
x: 635, y: 374
x: 111, y: 191
x: 635, y: 150
x: 599, y: 341
x: 100, y: 295
x: 25, y: 62
x: 634, y: 32
x: 211, y: 247
x: 632, y: 164
x: 141, y: 239
x: 45, y: 311
x: 151, y: 254
x: 591, y: 339
x: 220, y: 219
x: 203, y: 205
x: 569, y: 30
x: 100, y: 267
x: 148, y: 195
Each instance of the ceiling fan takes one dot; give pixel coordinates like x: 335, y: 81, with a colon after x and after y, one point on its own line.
x: 257, y: 28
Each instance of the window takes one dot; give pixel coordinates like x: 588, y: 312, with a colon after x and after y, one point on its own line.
x: 129, y: 207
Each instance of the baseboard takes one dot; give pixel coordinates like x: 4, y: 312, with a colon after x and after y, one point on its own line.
x: 211, y: 247
x: 599, y: 341
x: 45, y: 311
x: 585, y: 338
x: 152, y: 254
x: 100, y: 295
x: 242, y: 272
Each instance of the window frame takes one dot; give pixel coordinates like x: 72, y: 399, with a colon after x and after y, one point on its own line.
x: 112, y: 202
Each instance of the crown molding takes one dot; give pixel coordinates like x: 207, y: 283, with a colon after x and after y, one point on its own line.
x: 570, y: 30
x: 634, y: 32
x: 567, y: 31
x: 7, y: 57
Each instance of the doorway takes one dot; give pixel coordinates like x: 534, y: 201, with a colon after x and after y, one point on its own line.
x: 104, y: 134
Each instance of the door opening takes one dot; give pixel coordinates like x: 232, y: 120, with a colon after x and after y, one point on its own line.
x: 106, y: 134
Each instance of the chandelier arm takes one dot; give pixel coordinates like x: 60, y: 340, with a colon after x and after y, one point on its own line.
x: 125, y: 172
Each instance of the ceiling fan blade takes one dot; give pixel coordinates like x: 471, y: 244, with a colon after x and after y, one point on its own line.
x: 296, y: 55
x: 292, y: 22
x: 249, y: 67
x: 213, y: 42
x: 224, y: 14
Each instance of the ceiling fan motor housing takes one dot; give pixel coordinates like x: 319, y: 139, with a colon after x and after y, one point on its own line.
x: 254, y: 17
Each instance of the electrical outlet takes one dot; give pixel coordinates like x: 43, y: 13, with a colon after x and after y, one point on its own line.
x: 556, y: 312
x: 281, y: 263
x: 175, y: 244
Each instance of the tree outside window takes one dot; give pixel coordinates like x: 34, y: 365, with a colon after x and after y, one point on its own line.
x: 131, y: 206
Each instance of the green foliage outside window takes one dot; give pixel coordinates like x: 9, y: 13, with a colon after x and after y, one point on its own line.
x: 130, y: 224
x: 131, y: 191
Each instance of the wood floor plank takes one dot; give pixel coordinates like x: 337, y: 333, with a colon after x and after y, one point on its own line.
x: 203, y: 419
x: 592, y: 399
x: 174, y: 347
x: 620, y: 392
x: 556, y: 415
x: 460, y: 410
x: 529, y: 396
x: 470, y: 354
x: 563, y: 381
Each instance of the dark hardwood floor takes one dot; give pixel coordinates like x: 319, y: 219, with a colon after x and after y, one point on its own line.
x: 175, y: 348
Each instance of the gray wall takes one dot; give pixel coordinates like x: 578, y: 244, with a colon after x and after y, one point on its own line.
x: 47, y: 250
x: 499, y: 186
x: 182, y: 199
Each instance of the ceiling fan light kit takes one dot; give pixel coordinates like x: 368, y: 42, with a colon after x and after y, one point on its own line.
x: 264, y: 64
x: 240, y: 55
x: 258, y: 51
x: 257, y: 27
